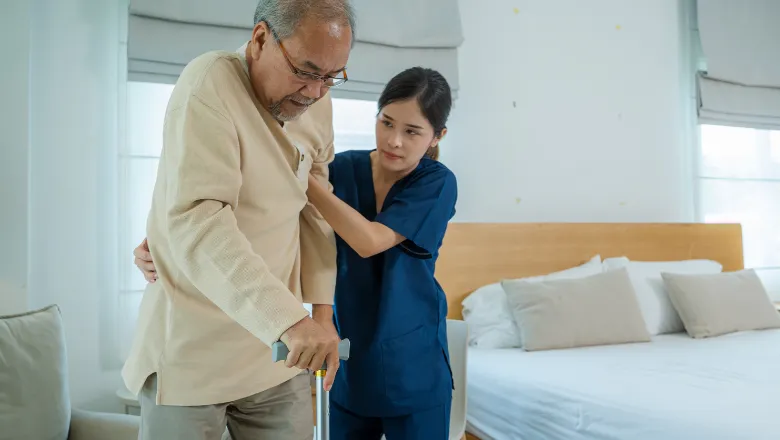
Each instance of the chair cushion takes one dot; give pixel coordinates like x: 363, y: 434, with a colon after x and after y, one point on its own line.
x: 34, y: 397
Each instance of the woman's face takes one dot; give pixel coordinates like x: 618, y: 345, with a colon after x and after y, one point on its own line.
x: 403, y: 135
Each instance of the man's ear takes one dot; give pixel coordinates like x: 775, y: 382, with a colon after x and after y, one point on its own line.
x: 261, y: 34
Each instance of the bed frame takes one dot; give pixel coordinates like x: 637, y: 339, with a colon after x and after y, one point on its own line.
x: 476, y: 254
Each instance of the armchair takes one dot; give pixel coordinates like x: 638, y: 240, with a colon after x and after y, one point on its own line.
x: 34, y: 395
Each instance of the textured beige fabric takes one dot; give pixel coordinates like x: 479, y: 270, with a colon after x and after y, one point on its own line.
x: 235, y: 244
x: 595, y: 310
x: 717, y: 304
x: 283, y: 412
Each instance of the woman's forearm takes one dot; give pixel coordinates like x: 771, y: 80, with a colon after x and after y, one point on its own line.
x: 367, y: 238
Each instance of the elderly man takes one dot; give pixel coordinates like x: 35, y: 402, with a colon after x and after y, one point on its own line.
x: 236, y: 246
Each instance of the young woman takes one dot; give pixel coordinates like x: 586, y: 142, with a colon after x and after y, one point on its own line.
x: 389, y: 208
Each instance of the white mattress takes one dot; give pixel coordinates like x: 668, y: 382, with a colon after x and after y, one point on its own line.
x: 672, y: 388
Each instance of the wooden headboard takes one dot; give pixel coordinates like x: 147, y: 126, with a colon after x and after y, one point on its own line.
x: 476, y: 254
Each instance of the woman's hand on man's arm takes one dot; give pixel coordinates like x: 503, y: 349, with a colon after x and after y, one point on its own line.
x: 143, y: 260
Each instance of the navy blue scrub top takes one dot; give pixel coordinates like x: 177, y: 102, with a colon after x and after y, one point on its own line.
x: 390, y: 306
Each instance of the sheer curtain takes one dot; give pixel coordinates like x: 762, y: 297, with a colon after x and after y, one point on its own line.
x: 739, y: 181
x: 138, y: 160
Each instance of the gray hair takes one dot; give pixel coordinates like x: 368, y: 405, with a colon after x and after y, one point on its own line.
x: 284, y: 16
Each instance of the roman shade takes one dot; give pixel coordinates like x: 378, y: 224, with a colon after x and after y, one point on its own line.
x: 741, y: 83
x: 164, y: 35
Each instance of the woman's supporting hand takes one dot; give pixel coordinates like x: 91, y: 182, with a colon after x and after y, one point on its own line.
x: 143, y: 260
x: 313, y: 184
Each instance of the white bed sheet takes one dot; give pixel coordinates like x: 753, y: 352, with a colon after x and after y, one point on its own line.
x: 674, y: 388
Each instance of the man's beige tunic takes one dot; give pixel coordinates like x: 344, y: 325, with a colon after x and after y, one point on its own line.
x: 236, y: 246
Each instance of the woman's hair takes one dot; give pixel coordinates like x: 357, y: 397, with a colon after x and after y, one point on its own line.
x: 432, y: 93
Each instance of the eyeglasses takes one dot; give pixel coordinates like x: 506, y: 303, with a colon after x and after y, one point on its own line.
x: 327, y: 80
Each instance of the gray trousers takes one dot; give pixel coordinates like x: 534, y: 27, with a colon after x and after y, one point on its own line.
x: 280, y: 413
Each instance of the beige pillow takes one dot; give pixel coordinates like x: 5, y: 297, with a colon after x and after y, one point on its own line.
x: 599, y: 309
x: 34, y: 401
x: 717, y: 304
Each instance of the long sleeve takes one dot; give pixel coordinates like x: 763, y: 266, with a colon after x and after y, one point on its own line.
x: 318, y: 242
x: 203, y: 169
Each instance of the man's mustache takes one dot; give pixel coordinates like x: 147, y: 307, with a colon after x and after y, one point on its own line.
x: 301, y: 100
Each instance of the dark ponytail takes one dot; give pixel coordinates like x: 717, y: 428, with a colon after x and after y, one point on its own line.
x: 433, y: 152
x: 432, y: 93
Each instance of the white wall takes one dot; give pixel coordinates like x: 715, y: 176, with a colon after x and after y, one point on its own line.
x: 73, y: 77
x: 14, y: 152
x: 571, y: 110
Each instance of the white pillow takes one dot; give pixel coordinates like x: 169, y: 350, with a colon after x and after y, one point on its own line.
x: 490, y: 323
x: 658, y: 311
x: 486, y: 310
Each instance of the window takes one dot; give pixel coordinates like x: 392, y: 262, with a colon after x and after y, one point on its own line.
x: 353, y: 122
x: 145, y: 114
x: 739, y: 181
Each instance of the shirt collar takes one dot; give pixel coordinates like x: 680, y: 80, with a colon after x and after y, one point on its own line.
x: 241, y: 51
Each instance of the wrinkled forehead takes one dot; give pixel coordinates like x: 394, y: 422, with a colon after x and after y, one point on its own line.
x: 319, y: 47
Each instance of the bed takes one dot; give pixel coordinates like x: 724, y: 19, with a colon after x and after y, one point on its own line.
x: 674, y: 387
